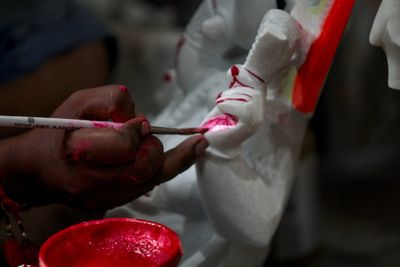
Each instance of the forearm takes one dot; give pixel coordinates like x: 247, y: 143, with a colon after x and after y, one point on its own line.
x: 17, y: 172
x: 9, y: 156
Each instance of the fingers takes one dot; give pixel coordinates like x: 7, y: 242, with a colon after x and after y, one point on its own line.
x: 181, y: 157
x: 116, y: 185
x: 119, y: 184
x: 151, y: 167
x: 106, y: 146
x: 237, y: 94
x: 101, y: 103
x: 241, y: 102
x: 148, y: 160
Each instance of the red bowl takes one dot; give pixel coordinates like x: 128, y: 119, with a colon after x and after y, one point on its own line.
x: 114, y: 242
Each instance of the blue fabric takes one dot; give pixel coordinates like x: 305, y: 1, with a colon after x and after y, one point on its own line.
x: 37, y: 32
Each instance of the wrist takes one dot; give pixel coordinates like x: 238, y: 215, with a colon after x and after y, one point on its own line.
x: 17, y: 172
x: 7, y: 163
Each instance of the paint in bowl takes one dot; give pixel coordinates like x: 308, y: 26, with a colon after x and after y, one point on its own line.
x: 112, y: 242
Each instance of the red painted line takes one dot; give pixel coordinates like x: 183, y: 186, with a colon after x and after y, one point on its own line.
x: 255, y: 75
x: 179, y: 46
x: 233, y: 99
x: 244, y: 94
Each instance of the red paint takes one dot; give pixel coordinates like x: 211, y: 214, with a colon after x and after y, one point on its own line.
x: 123, y: 88
x: 106, y: 124
x: 255, y: 75
x: 235, y: 71
x: 167, y: 77
x: 118, y: 116
x: 76, y: 154
x: 100, y: 124
x: 148, y: 159
x: 130, y: 179
x: 220, y: 122
x: 112, y: 242
x: 235, y: 81
x: 312, y: 74
x: 79, y: 149
x: 143, y: 151
x: 181, y: 42
x: 233, y: 99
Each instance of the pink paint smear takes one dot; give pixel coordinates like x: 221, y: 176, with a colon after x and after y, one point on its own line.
x: 123, y: 88
x: 220, y: 122
x: 106, y: 124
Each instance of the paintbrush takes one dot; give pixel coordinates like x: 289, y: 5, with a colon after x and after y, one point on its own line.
x: 72, y: 124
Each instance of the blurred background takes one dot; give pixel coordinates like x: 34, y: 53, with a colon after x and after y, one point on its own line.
x: 147, y: 32
x: 344, y: 206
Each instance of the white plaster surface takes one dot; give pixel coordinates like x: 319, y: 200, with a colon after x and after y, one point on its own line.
x: 227, y: 208
x: 385, y: 33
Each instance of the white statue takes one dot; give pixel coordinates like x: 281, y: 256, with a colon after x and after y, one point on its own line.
x: 386, y: 34
x: 227, y: 211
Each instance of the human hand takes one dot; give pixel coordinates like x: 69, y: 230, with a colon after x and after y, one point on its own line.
x: 94, y: 168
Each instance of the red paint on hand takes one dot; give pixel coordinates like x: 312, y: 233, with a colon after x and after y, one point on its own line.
x: 167, y: 77
x: 130, y: 179
x: 221, y: 122
x: 112, y: 242
x: 106, y: 124
x: 123, y: 88
x: 76, y: 155
x: 100, y: 124
x: 118, y: 116
x: 79, y: 149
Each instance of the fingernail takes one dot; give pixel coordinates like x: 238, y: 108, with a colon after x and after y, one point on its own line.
x: 201, y: 147
x: 123, y: 88
x: 145, y: 128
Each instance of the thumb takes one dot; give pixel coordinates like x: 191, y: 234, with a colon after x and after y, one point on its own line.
x: 181, y: 157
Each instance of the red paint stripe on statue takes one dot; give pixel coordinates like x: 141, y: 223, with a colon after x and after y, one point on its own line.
x: 312, y: 74
x: 244, y: 95
x: 219, y: 101
x: 235, y: 81
x: 255, y: 75
x: 181, y: 42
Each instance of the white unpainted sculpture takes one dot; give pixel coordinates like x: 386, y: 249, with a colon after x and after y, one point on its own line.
x: 227, y: 209
x: 386, y: 34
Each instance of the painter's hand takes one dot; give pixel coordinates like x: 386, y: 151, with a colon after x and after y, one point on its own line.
x: 100, y: 168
